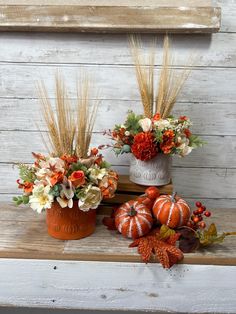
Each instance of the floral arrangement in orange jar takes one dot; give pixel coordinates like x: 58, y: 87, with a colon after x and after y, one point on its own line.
x: 70, y: 181
x: 66, y: 180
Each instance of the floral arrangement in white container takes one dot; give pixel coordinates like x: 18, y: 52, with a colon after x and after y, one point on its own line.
x: 153, y: 137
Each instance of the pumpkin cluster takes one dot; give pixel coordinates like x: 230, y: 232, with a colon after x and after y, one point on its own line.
x: 135, y: 218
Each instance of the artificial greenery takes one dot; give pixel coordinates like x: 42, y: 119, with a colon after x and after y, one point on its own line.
x: 26, y: 173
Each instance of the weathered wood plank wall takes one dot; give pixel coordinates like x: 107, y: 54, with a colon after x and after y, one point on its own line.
x: 209, y: 97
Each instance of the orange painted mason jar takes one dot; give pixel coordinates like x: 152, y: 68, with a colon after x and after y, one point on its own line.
x: 70, y: 223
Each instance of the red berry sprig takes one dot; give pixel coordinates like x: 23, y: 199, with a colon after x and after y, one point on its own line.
x: 196, y: 221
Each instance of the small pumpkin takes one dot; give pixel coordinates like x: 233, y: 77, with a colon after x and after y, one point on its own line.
x: 149, y: 197
x: 133, y: 219
x: 171, y: 210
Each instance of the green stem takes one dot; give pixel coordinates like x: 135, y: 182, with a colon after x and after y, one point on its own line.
x: 133, y: 212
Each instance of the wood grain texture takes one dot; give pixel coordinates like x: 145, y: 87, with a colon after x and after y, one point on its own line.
x: 110, y: 112
x: 117, y: 286
x: 212, y: 51
x: 189, y: 3
x: 24, y: 235
x: 111, y: 19
x: 114, y: 82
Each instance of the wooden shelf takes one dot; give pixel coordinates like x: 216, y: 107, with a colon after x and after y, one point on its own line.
x: 24, y: 235
x: 116, y: 18
x: 128, y: 190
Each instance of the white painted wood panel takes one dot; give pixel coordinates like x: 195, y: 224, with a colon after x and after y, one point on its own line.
x: 117, y: 286
x: 114, y: 82
x: 218, y: 51
x: 110, y: 112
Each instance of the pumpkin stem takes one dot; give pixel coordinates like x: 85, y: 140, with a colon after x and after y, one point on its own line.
x: 133, y: 212
x: 173, y: 197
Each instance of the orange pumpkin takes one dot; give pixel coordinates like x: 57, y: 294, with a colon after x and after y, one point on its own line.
x: 171, y: 210
x: 149, y: 197
x: 133, y: 219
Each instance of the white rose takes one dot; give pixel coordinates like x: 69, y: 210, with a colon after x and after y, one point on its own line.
x: 146, y: 124
x: 91, y: 200
x: 185, y: 150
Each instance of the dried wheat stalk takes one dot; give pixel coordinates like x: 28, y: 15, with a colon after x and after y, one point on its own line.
x: 68, y: 132
x: 170, y: 83
x: 85, y: 118
x: 60, y: 122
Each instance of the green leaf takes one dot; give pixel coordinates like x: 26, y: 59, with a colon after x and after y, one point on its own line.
x: 195, y: 141
x: 210, y: 236
x: 27, y: 173
x: 15, y: 199
x: 166, y: 232
x: 105, y: 164
x: 25, y: 199
x: 132, y: 123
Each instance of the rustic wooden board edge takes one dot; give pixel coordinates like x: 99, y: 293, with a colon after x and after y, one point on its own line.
x: 110, y: 19
x: 190, y: 260
x: 116, y: 286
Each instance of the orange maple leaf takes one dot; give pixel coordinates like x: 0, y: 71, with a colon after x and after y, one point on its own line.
x: 165, y: 250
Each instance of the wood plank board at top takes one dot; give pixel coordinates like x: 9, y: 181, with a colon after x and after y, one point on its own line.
x: 112, y: 19
x: 189, y: 3
x: 24, y: 235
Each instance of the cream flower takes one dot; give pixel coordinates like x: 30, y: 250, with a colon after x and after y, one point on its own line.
x: 185, y: 150
x: 57, y: 164
x: 41, y: 198
x: 91, y: 200
x: 96, y: 173
x: 146, y: 124
x: 66, y: 195
x: 162, y: 124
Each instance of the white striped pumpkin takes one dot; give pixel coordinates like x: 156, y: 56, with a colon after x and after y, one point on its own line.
x: 171, y: 210
x: 133, y: 219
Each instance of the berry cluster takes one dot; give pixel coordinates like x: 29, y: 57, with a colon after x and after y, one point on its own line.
x: 196, y: 221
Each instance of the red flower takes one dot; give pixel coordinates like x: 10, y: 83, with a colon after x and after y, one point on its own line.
x: 144, y: 146
x: 183, y: 118
x: 187, y: 133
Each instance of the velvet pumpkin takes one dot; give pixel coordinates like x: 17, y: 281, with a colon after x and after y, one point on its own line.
x: 171, y: 210
x: 133, y: 219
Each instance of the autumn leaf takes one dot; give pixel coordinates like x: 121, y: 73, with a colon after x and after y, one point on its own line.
x: 210, y: 236
x: 163, y: 249
x: 165, y: 232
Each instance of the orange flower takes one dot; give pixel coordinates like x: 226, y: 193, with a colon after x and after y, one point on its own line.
x: 167, y: 147
x: 77, y: 178
x: 144, y: 146
x: 168, y: 135
x: 55, y: 178
x: 69, y: 159
x: 156, y: 117
x: 94, y: 151
x: 167, y: 143
x: 108, y: 186
x: 27, y: 186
